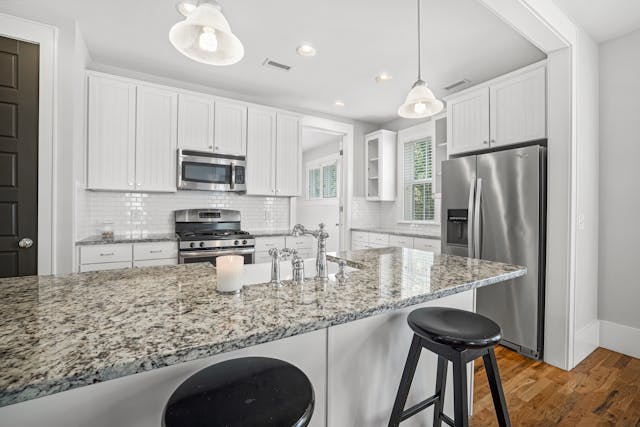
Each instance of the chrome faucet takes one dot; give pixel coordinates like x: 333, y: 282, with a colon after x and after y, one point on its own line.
x: 276, y: 256
x: 321, y: 257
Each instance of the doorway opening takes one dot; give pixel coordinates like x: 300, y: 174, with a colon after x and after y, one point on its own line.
x: 321, y: 200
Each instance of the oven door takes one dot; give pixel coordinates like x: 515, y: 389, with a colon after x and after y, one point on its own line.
x: 210, y: 172
x: 210, y: 255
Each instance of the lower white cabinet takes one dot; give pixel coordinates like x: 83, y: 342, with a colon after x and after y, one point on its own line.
x: 127, y: 255
x: 304, y: 245
x: 365, y: 240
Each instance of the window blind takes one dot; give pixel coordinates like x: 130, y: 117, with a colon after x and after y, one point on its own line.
x: 329, y: 181
x: 314, y: 183
x: 419, y: 204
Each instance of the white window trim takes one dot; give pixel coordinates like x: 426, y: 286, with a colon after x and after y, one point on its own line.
x: 415, y: 133
x: 320, y: 163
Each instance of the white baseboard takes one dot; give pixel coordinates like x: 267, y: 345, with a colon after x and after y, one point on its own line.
x: 621, y: 338
x: 586, y: 341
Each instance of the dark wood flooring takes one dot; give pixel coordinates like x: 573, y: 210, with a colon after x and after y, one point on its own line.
x: 603, y: 390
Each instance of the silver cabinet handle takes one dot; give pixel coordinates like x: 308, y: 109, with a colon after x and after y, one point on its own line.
x: 476, y: 227
x: 485, y: 142
x: 25, y: 243
x: 493, y: 141
x: 472, y: 196
x: 158, y: 251
x: 107, y: 254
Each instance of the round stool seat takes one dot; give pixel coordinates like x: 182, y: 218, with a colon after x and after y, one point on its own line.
x: 249, y: 391
x: 455, y: 328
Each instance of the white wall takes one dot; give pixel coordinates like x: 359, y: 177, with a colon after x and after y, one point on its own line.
x: 619, y: 292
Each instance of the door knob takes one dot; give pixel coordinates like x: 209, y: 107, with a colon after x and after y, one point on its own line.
x: 25, y: 243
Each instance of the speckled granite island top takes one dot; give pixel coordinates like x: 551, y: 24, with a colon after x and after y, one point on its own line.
x: 58, y: 333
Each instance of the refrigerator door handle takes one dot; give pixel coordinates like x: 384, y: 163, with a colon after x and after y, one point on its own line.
x: 477, y: 229
x: 470, y: 226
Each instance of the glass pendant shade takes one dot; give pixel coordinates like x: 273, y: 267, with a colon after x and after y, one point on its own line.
x: 420, y: 103
x: 205, y: 36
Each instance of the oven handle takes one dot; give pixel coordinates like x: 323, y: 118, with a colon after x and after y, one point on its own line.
x: 233, y: 176
x: 208, y: 253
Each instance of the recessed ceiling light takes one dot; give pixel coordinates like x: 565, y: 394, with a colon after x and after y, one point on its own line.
x: 339, y: 103
x: 185, y: 7
x: 306, y: 50
x: 383, y: 77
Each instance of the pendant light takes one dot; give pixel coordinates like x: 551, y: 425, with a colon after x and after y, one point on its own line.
x: 205, y: 35
x: 420, y: 101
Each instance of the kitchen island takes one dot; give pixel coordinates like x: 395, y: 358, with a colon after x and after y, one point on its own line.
x: 132, y: 336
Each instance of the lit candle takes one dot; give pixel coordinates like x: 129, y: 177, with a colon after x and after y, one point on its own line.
x: 229, y: 273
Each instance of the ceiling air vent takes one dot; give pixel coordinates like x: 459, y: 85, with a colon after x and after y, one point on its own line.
x: 457, y: 85
x: 276, y: 65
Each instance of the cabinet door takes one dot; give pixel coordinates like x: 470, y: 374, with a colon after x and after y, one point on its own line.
x: 111, y: 122
x: 230, y: 128
x: 195, y: 122
x: 156, y: 139
x: 287, y: 156
x: 518, y: 109
x: 468, y: 121
x: 261, y: 152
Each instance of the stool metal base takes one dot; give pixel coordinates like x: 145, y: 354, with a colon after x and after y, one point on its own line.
x: 459, y: 358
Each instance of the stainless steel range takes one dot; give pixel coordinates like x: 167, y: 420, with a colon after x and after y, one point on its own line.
x: 205, y: 234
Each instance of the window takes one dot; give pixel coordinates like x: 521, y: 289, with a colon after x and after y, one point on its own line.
x: 322, y: 179
x: 419, y: 204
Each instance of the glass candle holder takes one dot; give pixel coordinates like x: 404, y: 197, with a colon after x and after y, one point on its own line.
x: 229, y: 270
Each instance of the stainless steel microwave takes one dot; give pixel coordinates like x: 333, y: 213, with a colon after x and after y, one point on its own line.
x: 213, y: 172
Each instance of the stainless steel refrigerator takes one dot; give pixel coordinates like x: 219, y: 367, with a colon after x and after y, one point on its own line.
x: 494, y: 208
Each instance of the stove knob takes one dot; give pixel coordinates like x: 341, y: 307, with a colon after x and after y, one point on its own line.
x: 244, y: 242
x: 236, y: 242
x: 202, y: 244
x: 192, y: 245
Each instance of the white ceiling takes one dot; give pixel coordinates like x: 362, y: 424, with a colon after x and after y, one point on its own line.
x: 603, y: 19
x: 313, y: 138
x: 355, y: 40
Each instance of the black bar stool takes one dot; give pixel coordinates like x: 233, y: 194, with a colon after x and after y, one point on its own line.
x: 247, y: 392
x: 456, y: 336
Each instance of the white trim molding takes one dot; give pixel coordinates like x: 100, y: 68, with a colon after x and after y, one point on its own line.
x: 46, y: 37
x: 621, y: 338
x: 587, y: 339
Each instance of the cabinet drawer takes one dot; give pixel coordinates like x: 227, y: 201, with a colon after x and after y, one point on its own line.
x: 263, y: 244
x: 427, y: 244
x: 360, y: 236
x: 155, y: 262
x: 302, y: 242
x: 357, y: 246
x: 104, y: 266
x: 401, y: 241
x: 262, y: 257
x: 96, y: 254
x: 155, y: 250
x: 379, y: 240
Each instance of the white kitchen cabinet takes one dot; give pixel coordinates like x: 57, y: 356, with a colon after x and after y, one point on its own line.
x: 230, y: 128
x: 431, y: 245
x: 155, y: 250
x: 305, y: 246
x: 111, y: 133
x: 125, y: 255
x: 98, y: 254
x: 288, y: 155
x: 400, y: 241
x: 510, y: 109
x: 156, y: 139
x: 518, y: 108
x: 380, y: 167
x: 468, y: 121
x: 263, y: 244
x: 85, y: 268
x: 379, y: 239
x: 261, y: 152
x: 195, y: 122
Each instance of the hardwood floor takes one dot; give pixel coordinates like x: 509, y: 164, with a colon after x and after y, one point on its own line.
x: 603, y: 390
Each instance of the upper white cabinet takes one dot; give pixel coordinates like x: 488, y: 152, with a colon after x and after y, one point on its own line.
x: 273, y: 153
x: 230, y: 130
x: 156, y: 142
x: 261, y: 152
x: 195, y: 122
x: 131, y: 136
x: 518, y: 108
x: 468, y: 121
x: 288, y: 155
x: 111, y: 127
x: 508, y: 110
x: 380, y: 158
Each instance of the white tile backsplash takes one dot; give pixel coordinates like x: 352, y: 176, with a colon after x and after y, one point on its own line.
x: 150, y: 213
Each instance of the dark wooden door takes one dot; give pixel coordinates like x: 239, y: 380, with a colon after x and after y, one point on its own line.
x: 18, y: 158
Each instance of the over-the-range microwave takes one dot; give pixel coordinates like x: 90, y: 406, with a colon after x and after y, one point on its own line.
x: 199, y: 170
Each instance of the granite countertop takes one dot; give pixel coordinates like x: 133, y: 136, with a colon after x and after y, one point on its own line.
x: 63, y: 332
x: 128, y: 238
x: 396, y: 232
